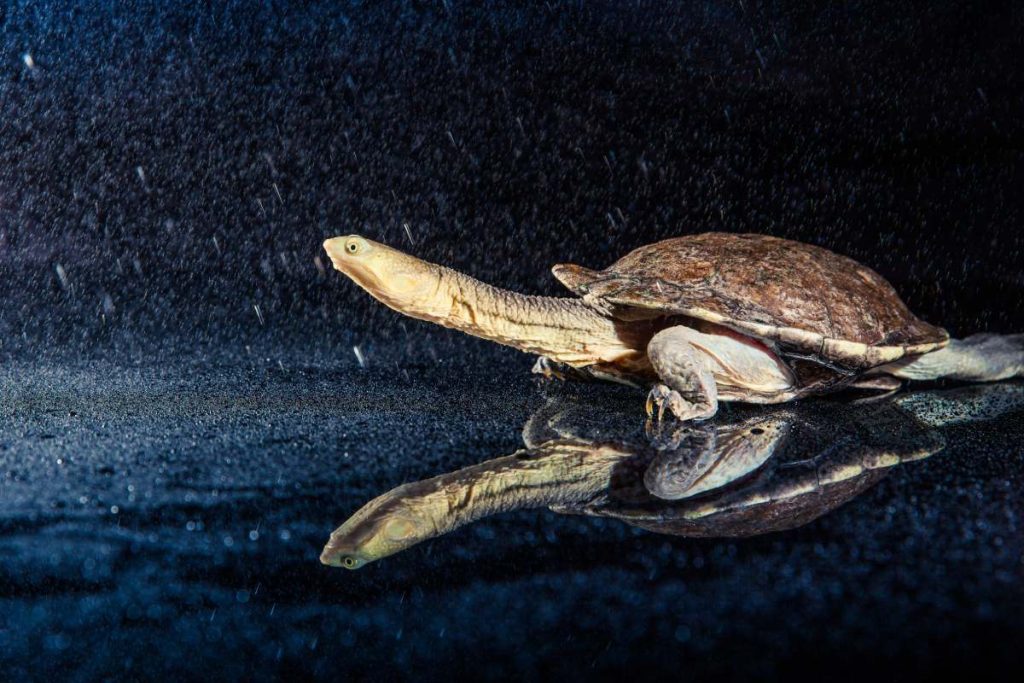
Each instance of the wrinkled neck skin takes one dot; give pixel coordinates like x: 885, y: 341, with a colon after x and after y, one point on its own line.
x: 563, y: 329
x: 567, y: 473
x: 560, y: 472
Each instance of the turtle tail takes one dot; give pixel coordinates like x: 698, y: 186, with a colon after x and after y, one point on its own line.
x: 978, y: 358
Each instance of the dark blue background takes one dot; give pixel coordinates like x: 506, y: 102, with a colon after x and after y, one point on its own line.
x: 508, y: 139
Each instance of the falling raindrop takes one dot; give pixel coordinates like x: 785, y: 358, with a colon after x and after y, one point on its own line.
x: 108, y: 304
x: 63, y: 275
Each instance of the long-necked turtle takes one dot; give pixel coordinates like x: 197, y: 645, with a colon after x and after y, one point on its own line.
x: 582, y: 459
x: 702, y: 318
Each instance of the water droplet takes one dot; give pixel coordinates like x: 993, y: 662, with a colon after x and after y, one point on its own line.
x: 63, y: 275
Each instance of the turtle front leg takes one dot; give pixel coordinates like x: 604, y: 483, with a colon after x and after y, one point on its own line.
x: 552, y: 369
x: 687, y: 387
x: 548, y: 368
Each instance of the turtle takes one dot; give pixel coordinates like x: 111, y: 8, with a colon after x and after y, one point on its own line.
x: 741, y: 474
x: 697, y: 319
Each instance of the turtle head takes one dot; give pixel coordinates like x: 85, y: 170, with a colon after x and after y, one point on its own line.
x: 386, y: 525
x: 547, y: 326
x: 403, y: 282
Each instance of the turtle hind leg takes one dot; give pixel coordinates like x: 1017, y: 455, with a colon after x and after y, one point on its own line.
x: 688, y: 388
x: 978, y: 358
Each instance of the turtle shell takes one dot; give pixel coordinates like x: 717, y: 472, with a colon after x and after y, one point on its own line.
x: 808, y: 300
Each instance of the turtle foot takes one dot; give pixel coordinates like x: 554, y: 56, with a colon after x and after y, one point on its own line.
x: 662, y: 398
x: 547, y: 368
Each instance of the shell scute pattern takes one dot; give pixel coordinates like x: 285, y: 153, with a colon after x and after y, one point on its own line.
x: 796, y: 294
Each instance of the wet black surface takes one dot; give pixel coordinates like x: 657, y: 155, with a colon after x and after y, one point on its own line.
x: 183, y: 420
x: 162, y: 520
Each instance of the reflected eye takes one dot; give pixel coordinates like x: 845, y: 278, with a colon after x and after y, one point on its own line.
x: 348, y: 562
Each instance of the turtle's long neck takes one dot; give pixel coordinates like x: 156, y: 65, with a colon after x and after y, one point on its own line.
x: 563, y: 329
x: 557, y: 473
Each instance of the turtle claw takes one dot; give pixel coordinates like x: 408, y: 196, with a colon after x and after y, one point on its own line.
x: 649, y: 406
x: 662, y: 397
x: 548, y: 369
x: 657, y: 399
x: 653, y: 428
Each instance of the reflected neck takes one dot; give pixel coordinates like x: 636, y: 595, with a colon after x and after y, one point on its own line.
x: 567, y: 473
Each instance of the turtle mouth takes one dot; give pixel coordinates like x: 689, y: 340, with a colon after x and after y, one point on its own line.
x: 336, y: 252
x: 354, y: 268
x: 330, y: 558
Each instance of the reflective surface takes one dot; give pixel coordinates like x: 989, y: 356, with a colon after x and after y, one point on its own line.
x: 749, y: 471
x: 158, y: 520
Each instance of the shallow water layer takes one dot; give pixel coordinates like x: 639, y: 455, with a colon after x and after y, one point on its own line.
x: 168, y: 518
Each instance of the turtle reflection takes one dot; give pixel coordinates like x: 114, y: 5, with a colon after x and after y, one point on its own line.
x: 748, y: 472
